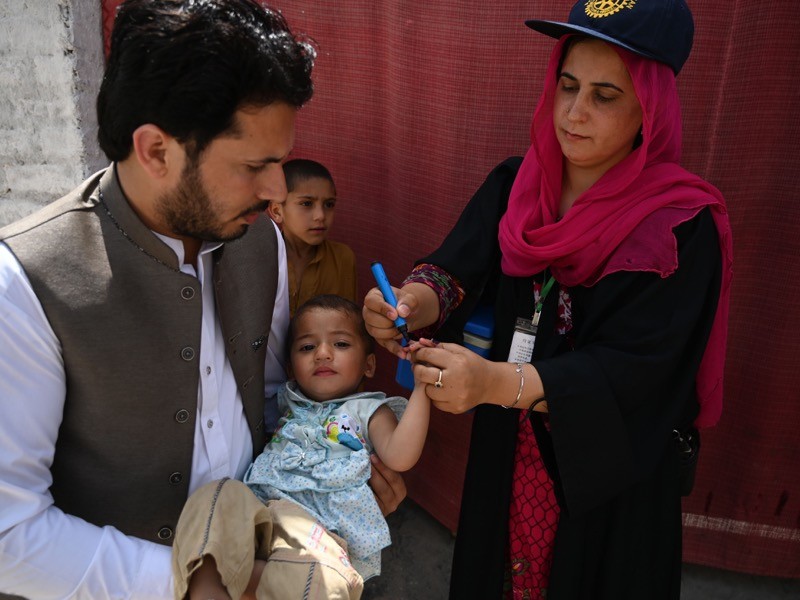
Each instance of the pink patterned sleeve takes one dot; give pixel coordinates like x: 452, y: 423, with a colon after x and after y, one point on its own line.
x: 447, y: 288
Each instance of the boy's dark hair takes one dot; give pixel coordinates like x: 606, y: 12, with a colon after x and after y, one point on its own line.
x: 302, y: 169
x: 187, y: 66
x: 333, y: 302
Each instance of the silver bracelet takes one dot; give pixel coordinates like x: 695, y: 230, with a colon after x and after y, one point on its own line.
x: 521, y: 386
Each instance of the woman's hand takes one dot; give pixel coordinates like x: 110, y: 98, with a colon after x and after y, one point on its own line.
x: 457, y: 380
x: 416, y: 303
x: 465, y: 376
x: 387, y: 485
x: 379, y: 318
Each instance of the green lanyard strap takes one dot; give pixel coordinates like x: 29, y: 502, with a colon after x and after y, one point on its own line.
x: 547, y: 283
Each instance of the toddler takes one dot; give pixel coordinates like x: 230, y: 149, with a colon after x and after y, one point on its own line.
x: 309, y: 485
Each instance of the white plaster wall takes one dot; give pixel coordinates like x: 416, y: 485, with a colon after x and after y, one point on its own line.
x: 50, y: 69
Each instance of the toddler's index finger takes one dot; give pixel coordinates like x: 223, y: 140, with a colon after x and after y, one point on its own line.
x: 415, y: 346
x: 427, y: 343
x: 421, y: 343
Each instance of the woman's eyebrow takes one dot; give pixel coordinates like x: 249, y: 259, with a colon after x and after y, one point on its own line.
x: 607, y: 84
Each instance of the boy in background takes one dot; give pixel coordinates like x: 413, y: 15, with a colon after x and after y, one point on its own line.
x: 317, y: 265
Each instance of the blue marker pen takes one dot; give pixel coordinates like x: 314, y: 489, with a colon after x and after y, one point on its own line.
x: 388, y: 295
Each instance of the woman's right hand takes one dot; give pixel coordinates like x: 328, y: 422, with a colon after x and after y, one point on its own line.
x: 379, y: 317
x: 417, y: 303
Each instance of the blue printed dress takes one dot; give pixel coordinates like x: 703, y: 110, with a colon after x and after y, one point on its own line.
x: 319, y: 458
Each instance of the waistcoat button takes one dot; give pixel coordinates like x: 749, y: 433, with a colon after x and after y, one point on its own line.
x: 187, y: 353
x: 187, y: 293
x: 164, y: 533
x: 176, y: 478
x: 182, y: 415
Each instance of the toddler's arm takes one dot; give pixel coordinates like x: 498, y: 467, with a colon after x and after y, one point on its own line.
x: 399, y: 445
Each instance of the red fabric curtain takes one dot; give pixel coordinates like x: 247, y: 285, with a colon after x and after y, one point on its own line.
x: 416, y: 101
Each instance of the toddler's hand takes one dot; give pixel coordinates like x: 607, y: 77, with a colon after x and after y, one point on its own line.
x: 420, y: 343
x: 412, y: 349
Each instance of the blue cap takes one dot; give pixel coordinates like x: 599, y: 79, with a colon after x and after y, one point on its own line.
x: 662, y: 30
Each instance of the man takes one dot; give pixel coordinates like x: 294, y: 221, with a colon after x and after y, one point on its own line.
x: 140, y: 328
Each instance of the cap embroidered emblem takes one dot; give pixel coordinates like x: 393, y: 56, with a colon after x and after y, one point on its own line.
x: 605, y: 8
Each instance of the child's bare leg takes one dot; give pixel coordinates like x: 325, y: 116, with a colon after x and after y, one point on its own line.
x: 255, y: 577
x: 206, y: 582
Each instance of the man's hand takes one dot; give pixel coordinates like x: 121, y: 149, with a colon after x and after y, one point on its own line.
x: 387, y: 485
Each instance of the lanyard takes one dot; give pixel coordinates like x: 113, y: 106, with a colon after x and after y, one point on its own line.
x: 524, y: 338
x: 547, y: 283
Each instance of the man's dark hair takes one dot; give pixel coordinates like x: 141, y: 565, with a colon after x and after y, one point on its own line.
x: 187, y: 66
x: 332, y: 302
x: 302, y: 169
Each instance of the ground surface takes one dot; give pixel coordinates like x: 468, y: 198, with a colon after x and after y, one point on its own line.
x: 417, y: 567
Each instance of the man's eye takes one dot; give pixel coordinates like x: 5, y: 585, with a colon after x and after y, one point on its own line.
x: 255, y: 168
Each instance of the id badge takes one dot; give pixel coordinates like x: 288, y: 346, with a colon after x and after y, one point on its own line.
x: 523, y: 341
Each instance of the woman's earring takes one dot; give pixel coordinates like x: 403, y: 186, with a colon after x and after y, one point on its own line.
x: 637, y: 141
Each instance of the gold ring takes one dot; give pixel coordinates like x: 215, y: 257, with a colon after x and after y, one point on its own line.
x: 439, y: 383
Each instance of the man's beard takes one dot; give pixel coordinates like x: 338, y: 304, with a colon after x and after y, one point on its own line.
x: 188, y: 210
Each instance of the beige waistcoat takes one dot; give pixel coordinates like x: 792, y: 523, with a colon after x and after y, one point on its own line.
x: 129, y: 326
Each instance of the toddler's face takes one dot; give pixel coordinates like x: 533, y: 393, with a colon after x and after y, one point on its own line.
x: 308, y: 211
x: 328, y: 356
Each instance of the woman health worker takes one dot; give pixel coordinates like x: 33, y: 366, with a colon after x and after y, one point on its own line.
x: 609, y: 269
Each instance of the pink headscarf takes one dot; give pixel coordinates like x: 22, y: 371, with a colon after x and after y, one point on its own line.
x: 624, y: 222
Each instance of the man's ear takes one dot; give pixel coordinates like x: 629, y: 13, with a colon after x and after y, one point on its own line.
x: 275, y: 210
x: 369, y: 370
x: 158, y: 153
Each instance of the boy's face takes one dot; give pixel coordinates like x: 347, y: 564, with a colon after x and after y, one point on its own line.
x: 328, y: 356
x: 307, y: 214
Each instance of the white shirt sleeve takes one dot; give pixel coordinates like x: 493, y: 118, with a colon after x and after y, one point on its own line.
x: 45, y: 553
x: 275, y: 369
